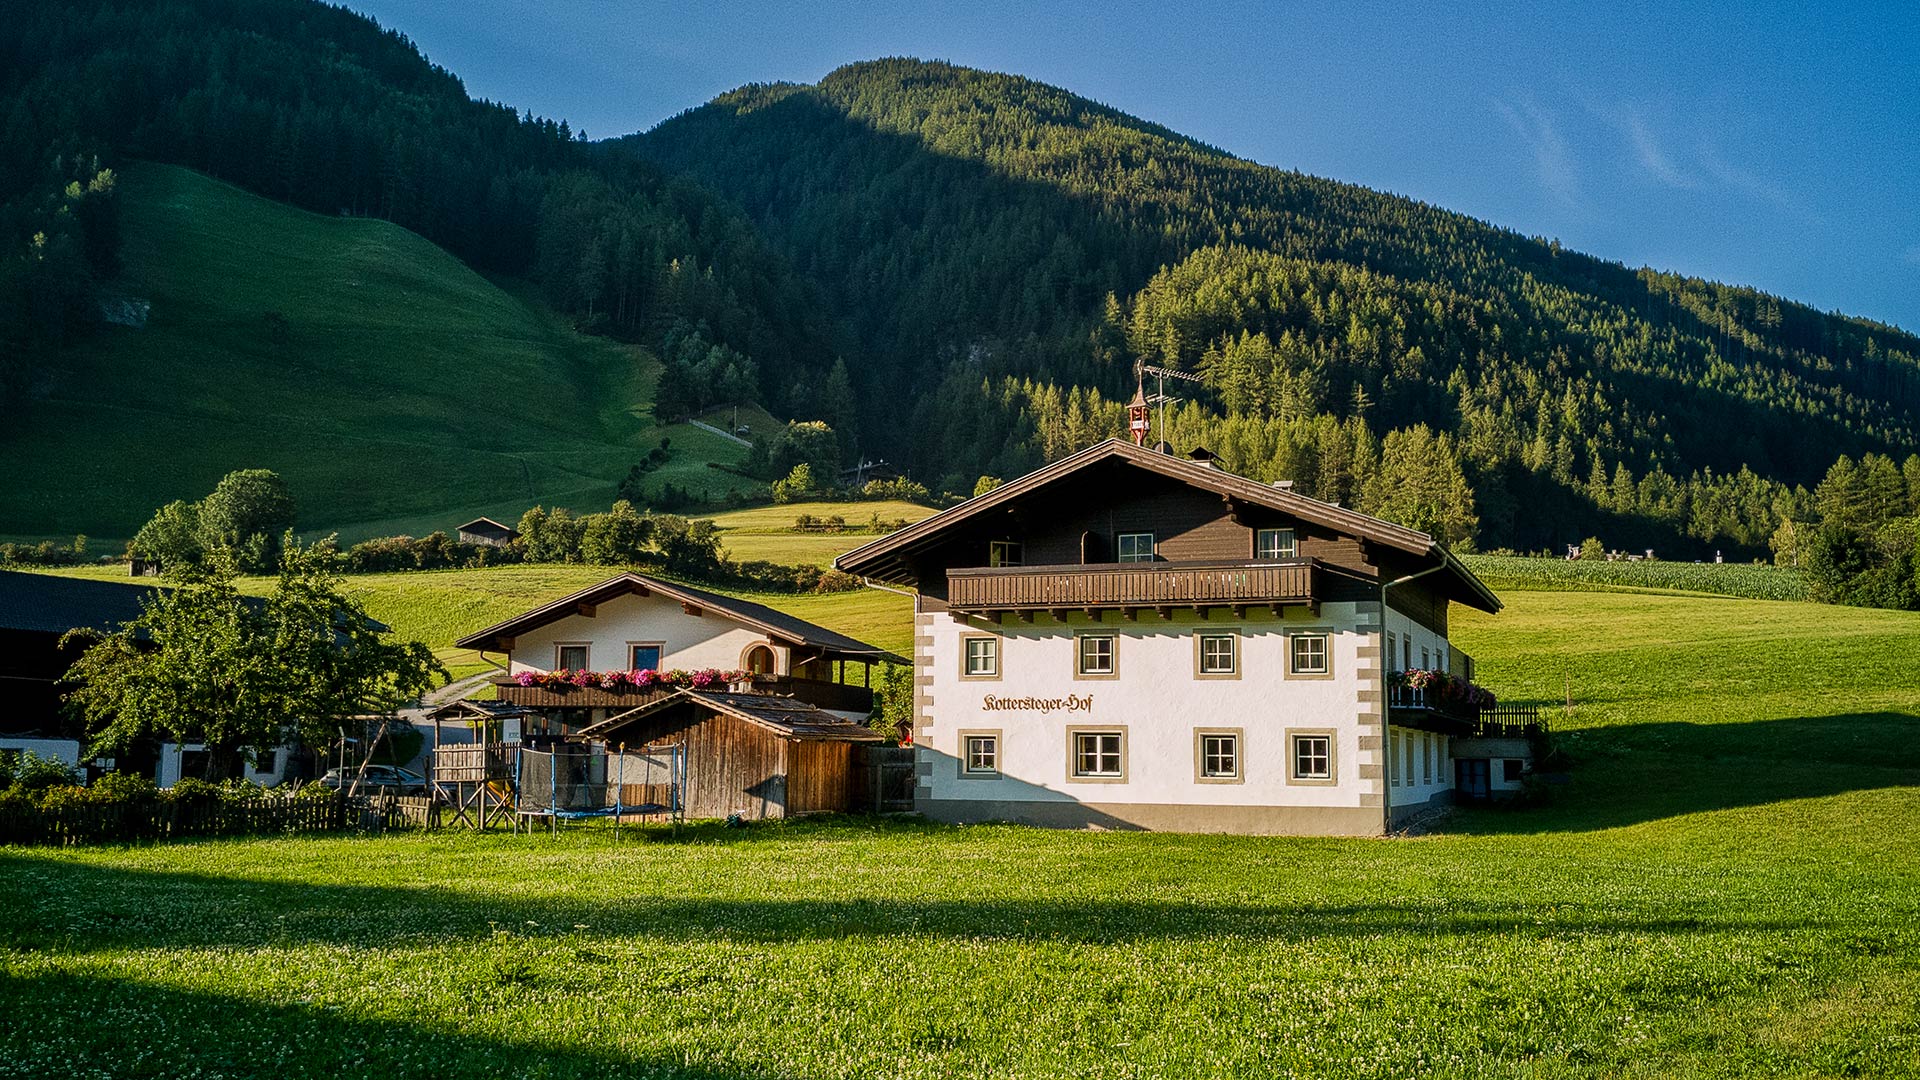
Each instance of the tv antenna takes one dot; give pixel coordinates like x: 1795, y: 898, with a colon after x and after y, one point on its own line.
x: 1141, y: 370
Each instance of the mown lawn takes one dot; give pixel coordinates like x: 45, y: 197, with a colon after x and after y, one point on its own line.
x: 1729, y: 887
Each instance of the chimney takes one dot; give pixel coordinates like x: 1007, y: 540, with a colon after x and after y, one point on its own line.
x: 1283, y: 485
x: 1203, y: 456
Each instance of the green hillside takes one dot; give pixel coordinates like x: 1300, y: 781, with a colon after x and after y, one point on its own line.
x: 395, y: 388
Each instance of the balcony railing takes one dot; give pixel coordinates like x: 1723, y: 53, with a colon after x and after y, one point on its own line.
x: 826, y: 695
x: 1145, y: 585
x: 1424, y: 707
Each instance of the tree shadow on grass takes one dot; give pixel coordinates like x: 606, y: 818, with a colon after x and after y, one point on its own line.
x: 1636, y: 773
x: 71, y: 908
x: 64, y: 1024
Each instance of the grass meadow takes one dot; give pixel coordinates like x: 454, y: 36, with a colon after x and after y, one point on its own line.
x: 1728, y: 886
x: 393, y: 387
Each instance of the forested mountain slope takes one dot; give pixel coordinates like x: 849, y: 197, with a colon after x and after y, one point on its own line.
x: 1002, y: 248
x: 319, y: 107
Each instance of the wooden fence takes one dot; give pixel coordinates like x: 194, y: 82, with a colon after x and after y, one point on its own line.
x: 883, y: 779
x: 150, y: 820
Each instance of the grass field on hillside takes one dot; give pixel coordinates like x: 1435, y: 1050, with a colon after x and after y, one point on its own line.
x: 1728, y: 888
x: 1722, y: 579
x: 394, y: 388
x: 766, y: 533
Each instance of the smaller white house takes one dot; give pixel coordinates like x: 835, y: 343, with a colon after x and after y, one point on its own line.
x: 632, y: 624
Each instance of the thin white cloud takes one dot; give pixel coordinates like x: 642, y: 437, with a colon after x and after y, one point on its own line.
x: 1742, y: 180
x: 1912, y: 255
x: 1552, y: 161
x: 1654, y: 159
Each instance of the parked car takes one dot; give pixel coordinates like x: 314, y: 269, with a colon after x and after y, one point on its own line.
x: 386, y: 778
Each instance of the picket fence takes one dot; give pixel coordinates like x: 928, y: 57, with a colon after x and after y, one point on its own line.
x: 168, y: 819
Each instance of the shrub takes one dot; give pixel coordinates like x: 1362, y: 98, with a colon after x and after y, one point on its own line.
x: 797, y: 485
x: 898, y: 488
x: 34, y: 773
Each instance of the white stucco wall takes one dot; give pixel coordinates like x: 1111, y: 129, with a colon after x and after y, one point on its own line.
x: 67, y: 750
x: 167, y: 773
x: 707, y: 640
x: 1158, y: 700
x: 1409, y: 636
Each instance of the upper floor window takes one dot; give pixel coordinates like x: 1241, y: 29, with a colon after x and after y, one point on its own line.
x: 1135, y: 547
x: 647, y: 657
x: 1004, y: 553
x: 981, y: 657
x: 1274, y: 544
x: 1095, y: 654
x: 571, y: 657
x: 1308, y: 654
x: 1218, y: 654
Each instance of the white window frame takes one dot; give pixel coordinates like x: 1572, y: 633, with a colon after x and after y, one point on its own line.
x: 1276, y: 550
x: 1330, y: 772
x: 1080, y: 669
x: 1200, y: 668
x: 966, y: 656
x: 1294, y: 640
x: 1074, y: 737
x: 968, y: 770
x: 1120, y: 553
x: 1202, y: 760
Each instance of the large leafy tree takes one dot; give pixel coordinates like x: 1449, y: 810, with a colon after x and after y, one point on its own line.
x: 204, y: 664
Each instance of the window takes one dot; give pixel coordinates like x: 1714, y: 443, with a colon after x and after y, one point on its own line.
x: 1135, y: 547
x: 1219, y: 654
x: 1099, y: 755
x: 1219, y: 755
x: 1394, y: 758
x: 1510, y: 769
x: 980, y: 754
x: 1096, y: 655
x: 1274, y: 544
x: 647, y: 658
x: 570, y: 657
x: 1426, y: 658
x: 1313, y: 757
x: 1426, y: 759
x: 982, y: 657
x: 1393, y: 648
x: 1406, y: 652
x: 1004, y: 553
x: 759, y: 660
x: 1308, y: 654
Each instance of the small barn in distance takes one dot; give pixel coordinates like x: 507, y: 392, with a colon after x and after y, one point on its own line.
x: 755, y: 755
x: 488, y: 531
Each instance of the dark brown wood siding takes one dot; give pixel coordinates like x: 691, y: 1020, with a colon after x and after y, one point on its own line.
x: 733, y: 767
x: 821, y: 776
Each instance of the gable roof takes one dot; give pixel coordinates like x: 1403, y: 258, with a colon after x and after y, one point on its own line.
x: 468, y: 527
x: 882, y: 558
x: 775, y: 624
x: 784, y: 716
x: 55, y: 604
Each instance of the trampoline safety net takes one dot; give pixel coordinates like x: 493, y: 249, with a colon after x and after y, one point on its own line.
x: 588, y: 781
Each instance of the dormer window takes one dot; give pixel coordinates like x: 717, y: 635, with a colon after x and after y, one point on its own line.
x: 1274, y: 544
x: 1004, y: 553
x: 1134, y: 547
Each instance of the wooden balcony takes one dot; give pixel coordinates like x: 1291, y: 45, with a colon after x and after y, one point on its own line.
x: 827, y: 695
x: 1159, y: 585
x: 1412, y: 707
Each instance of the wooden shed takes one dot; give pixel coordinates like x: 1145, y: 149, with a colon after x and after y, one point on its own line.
x: 754, y: 755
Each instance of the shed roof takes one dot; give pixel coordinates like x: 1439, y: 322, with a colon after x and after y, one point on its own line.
x: 784, y: 716
x: 775, y: 624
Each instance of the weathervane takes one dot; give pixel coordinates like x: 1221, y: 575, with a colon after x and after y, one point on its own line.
x: 1137, y: 408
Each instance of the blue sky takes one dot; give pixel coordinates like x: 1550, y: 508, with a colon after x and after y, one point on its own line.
x: 1770, y: 145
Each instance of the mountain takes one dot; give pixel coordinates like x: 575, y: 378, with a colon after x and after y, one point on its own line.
x: 394, y: 388
x: 1002, y: 250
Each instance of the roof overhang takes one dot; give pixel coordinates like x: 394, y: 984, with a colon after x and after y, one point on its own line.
x: 890, y: 558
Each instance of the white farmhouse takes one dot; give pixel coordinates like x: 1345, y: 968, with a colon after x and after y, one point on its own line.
x: 1134, y: 640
